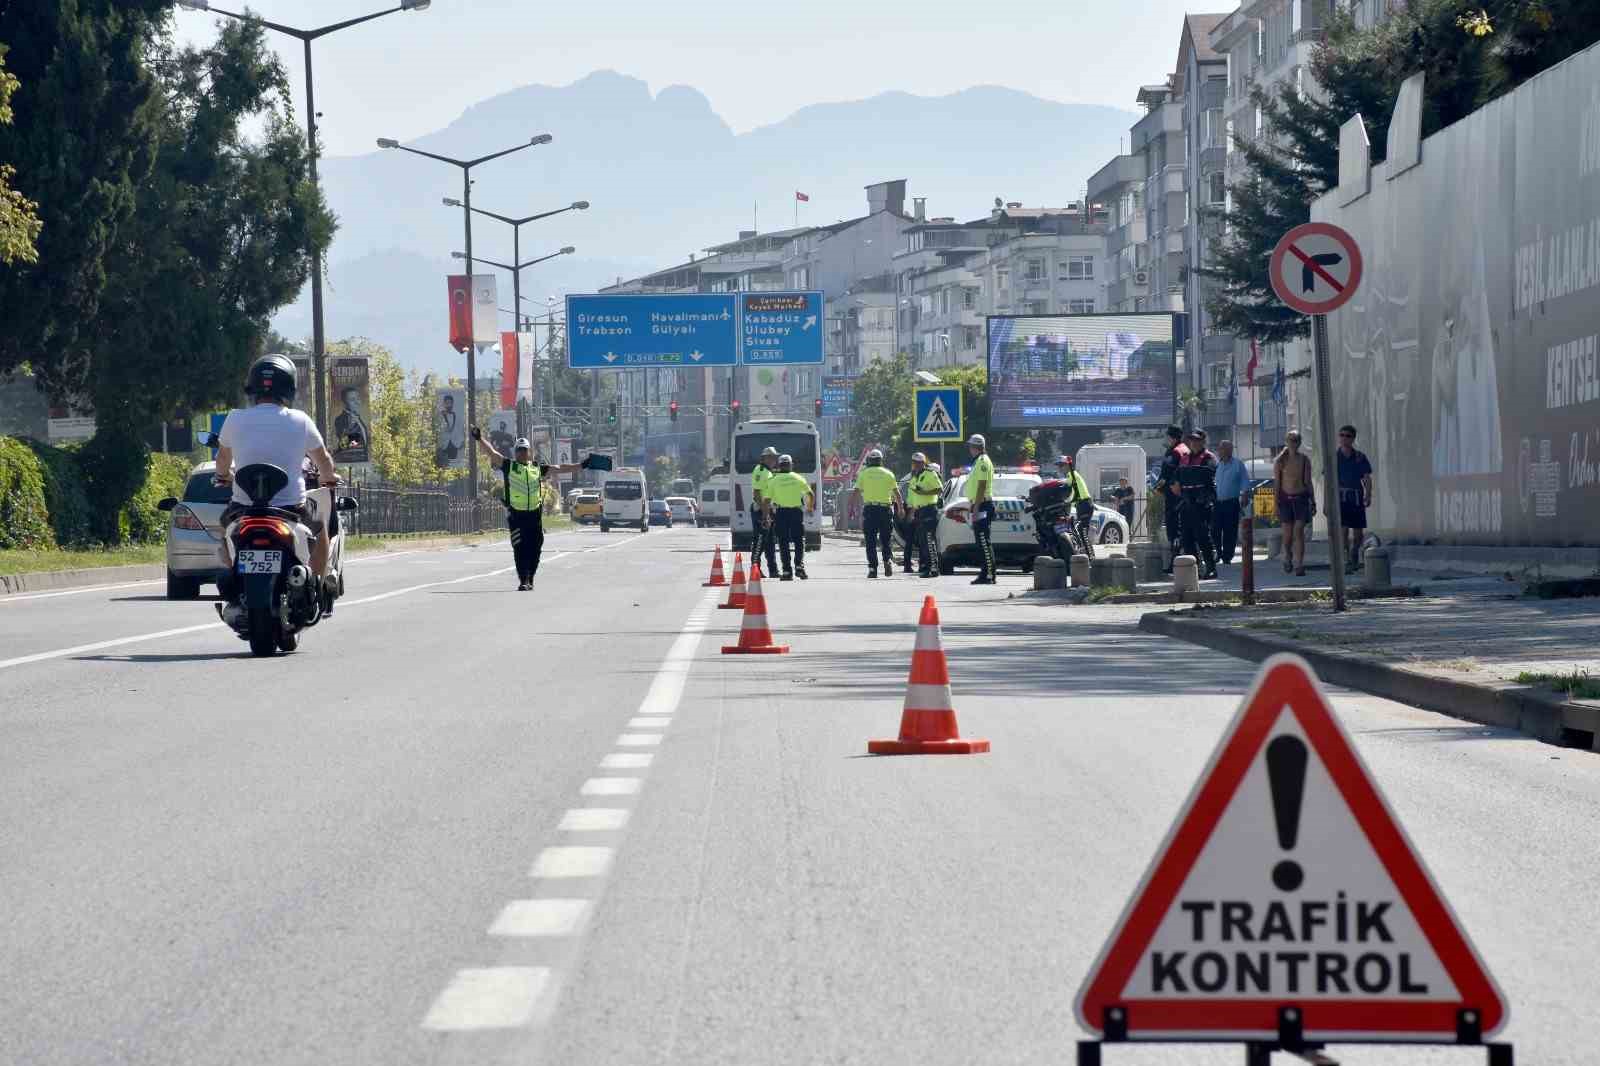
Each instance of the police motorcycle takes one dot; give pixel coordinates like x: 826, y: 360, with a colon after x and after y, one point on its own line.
x: 1050, y: 503
x: 274, y: 594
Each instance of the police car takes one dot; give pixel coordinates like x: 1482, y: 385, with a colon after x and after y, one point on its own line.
x: 1013, y: 532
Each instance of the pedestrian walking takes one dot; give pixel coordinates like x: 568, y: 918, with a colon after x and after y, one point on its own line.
x: 523, y: 495
x: 880, y: 498
x: 1233, y: 479
x: 1167, y: 487
x: 1297, y: 501
x: 790, y: 496
x: 1197, y: 489
x: 762, y: 535
x: 1355, y: 492
x: 980, y: 491
x: 922, y: 504
x: 1122, y: 497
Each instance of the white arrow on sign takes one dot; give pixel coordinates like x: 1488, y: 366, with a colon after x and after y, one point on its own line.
x: 697, y: 356
x: 810, y: 321
x: 610, y: 357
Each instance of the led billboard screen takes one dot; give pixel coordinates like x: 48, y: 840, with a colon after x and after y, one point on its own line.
x: 1057, y: 371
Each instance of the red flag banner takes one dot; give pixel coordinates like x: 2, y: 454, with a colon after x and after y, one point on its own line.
x: 1250, y: 367
x: 510, y: 366
x: 802, y: 197
x: 460, y: 287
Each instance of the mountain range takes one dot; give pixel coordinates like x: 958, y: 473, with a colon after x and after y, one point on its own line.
x: 666, y: 178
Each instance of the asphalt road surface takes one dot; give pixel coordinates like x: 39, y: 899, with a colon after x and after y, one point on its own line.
x: 469, y: 825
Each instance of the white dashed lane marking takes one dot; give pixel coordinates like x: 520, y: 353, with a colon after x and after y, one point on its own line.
x: 638, y: 740
x: 497, y: 997
x: 594, y: 820
x: 649, y: 723
x: 626, y: 761
x: 542, y: 917
x: 572, y: 862
x: 612, y: 786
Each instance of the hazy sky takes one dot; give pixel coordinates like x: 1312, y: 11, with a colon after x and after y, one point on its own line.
x: 409, y: 73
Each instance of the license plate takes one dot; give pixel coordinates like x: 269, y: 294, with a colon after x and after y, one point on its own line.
x: 260, y: 562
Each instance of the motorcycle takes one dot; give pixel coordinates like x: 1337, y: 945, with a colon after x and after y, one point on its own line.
x: 1054, y: 520
x: 274, y: 594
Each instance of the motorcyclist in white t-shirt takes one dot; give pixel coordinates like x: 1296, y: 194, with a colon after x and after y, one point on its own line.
x: 272, y: 432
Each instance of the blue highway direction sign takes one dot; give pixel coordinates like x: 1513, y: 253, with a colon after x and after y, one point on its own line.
x: 626, y: 330
x: 780, y: 328
x: 938, y: 414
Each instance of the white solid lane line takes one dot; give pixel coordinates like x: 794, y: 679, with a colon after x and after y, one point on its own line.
x: 499, y: 997
x: 542, y: 917
x: 22, y: 597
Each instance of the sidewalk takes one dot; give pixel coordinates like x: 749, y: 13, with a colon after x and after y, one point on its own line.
x: 1458, y: 648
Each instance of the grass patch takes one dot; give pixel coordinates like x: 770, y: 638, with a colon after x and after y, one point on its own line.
x: 1104, y: 593
x: 40, y: 560
x: 1577, y: 685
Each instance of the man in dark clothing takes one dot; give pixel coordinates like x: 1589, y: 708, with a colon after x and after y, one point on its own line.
x: 1167, y: 487
x: 1122, y: 496
x: 1197, y: 486
x: 1355, y: 493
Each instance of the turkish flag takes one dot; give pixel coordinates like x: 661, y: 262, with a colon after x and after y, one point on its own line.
x: 802, y: 197
x: 1250, y: 367
x: 509, y: 367
x: 460, y: 287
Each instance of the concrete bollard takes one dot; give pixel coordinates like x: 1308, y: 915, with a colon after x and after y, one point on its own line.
x: 1049, y: 573
x: 1185, y: 574
x: 1375, y: 575
x: 1151, y: 561
x: 1080, y: 571
x: 1123, y: 573
x: 1100, y: 572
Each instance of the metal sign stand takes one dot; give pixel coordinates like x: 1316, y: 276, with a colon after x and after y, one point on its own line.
x: 1330, y: 462
x: 1259, y: 1052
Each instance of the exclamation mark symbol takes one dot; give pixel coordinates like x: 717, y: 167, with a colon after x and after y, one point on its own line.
x: 1286, y: 773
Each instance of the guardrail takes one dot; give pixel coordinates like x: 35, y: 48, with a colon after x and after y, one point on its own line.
x: 386, y: 510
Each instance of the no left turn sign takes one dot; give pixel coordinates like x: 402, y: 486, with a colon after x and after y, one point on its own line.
x: 1316, y: 268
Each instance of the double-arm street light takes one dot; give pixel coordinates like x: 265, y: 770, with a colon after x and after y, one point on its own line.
x: 516, y: 280
x: 318, y: 338
x: 516, y: 225
x: 466, y: 165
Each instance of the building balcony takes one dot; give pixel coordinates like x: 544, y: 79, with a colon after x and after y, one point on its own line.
x: 1168, y: 118
x: 1213, y: 159
x: 1217, y: 347
x: 1107, y: 182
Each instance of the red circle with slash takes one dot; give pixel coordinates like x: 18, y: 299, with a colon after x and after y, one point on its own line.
x: 1316, y: 268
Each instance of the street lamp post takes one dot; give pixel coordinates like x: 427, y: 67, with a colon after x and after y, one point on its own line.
x: 516, y: 278
x: 465, y: 166
x: 318, y: 336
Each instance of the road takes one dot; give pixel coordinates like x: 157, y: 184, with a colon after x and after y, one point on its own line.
x: 468, y: 825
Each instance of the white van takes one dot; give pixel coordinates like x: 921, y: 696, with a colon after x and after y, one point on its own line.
x: 716, y: 501
x: 624, y: 499
x: 790, y: 437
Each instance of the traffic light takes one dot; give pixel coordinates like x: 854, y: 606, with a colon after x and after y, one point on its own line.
x: 672, y: 410
x: 733, y: 405
x: 612, y: 416
x: 818, y: 406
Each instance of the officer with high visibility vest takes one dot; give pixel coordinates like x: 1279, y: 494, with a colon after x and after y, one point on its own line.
x: 880, y: 498
x: 922, y: 500
x: 790, y: 494
x: 762, y: 533
x: 980, y: 491
x: 524, y: 500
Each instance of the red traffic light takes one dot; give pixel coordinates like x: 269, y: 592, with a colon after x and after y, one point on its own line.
x: 734, y: 406
x: 672, y: 410
x: 818, y: 405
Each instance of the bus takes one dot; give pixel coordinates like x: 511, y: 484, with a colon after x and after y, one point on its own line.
x: 790, y: 437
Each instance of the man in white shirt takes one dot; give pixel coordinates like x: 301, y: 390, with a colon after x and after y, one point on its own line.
x: 274, y: 433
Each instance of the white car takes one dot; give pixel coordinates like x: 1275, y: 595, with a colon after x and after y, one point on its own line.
x: 1013, y: 533
x: 683, y: 509
x: 194, y: 534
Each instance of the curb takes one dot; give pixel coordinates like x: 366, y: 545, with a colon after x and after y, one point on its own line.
x: 1296, y: 594
x: 1508, y: 705
x: 88, y: 577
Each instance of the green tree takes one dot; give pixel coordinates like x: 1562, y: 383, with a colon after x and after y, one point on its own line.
x: 1006, y: 447
x: 87, y: 113
x: 402, y: 449
x: 880, y: 412
x: 19, y: 216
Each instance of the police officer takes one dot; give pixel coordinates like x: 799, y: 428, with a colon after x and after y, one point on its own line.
x: 1197, y: 488
x: 880, y: 498
x: 1082, y: 502
x: 789, y: 494
x: 980, y: 491
x: 922, y: 501
x: 761, y: 517
x: 524, y: 500
x: 1167, y: 488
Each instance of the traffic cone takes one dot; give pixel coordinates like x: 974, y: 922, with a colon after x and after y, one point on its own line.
x: 928, y: 721
x: 736, y: 596
x: 717, y: 580
x: 754, y: 636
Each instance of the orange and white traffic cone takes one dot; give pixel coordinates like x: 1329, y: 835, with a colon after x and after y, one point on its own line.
x: 928, y: 721
x: 736, y: 596
x: 754, y: 636
x: 717, y: 580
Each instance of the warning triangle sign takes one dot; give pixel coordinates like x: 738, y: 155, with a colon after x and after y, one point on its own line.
x: 1286, y: 897
x: 938, y: 419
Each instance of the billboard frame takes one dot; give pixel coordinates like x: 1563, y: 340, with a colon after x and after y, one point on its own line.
x: 988, y: 366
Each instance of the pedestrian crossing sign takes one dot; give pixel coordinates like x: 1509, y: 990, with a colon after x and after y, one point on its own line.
x: 937, y: 414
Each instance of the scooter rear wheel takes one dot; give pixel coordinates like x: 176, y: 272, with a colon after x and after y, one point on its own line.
x: 263, y: 632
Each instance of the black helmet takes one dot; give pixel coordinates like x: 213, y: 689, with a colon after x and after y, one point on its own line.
x: 271, y: 378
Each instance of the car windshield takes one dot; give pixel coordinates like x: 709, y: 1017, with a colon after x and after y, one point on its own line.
x: 623, y: 490
x: 201, y: 490
x: 803, y: 446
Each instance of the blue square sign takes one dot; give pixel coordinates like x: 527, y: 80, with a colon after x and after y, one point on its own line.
x: 629, y: 330
x: 780, y: 328
x: 938, y: 414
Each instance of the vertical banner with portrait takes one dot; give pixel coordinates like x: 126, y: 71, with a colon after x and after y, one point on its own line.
x: 503, y: 430
x: 450, y: 427
x: 528, y: 372
x: 349, y: 386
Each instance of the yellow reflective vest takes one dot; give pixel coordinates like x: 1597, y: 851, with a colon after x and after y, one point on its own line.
x: 923, y: 489
x: 524, y: 485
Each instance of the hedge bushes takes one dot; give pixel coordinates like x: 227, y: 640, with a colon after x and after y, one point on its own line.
x: 44, y: 499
